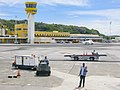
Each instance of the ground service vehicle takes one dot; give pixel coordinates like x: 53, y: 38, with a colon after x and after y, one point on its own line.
x: 25, y: 61
x: 43, y: 69
x: 91, y: 57
x: 88, y: 42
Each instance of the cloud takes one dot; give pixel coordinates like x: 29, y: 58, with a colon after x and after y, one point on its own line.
x: 115, y: 1
x: 66, y: 2
x: 111, y: 14
x: 8, y: 2
x: 48, y: 2
x: 102, y: 24
x: 2, y: 14
x: 100, y: 20
x: 5, y: 15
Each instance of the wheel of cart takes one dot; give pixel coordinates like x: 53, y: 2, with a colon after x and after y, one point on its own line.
x: 76, y: 58
x: 49, y: 73
x: 37, y: 73
x: 92, y: 58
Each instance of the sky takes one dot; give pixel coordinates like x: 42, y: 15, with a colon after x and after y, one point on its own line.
x: 102, y: 15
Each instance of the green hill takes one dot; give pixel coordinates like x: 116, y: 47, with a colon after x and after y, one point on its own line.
x: 64, y: 28
x: 39, y: 26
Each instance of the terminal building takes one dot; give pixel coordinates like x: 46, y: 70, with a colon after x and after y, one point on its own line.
x: 20, y: 34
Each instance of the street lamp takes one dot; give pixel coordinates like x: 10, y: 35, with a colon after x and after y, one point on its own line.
x: 16, y: 42
x: 110, y: 29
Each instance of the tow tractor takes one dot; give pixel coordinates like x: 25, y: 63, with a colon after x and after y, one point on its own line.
x: 43, y: 69
x: 92, y: 56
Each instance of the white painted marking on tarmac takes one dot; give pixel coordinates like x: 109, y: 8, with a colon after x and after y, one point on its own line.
x: 15, y: 71
x: 12, y: 83
x: 92, y: 82
x: 2, y: 58
x: 118, y: 64
x: 28, y: 84
x: 4, y: 83
x: 70, y: 81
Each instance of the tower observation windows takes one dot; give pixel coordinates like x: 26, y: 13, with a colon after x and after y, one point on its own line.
x: 30, y: 5
x: 27, y: 5
x: 34, y: 5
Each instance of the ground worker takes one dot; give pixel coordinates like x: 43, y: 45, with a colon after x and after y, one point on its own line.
x: 82, y: 74
x: 46, y: 60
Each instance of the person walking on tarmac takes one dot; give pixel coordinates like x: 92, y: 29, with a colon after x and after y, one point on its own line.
x: 93, y: 52
x: 82, y: 74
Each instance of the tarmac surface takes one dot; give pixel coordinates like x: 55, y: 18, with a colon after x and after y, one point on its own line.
x: 103, y: 74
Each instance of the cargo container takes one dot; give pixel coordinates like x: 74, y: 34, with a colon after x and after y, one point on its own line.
x: 26, y: 61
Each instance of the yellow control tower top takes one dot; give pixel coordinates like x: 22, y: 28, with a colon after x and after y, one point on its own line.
x: 31, y: 7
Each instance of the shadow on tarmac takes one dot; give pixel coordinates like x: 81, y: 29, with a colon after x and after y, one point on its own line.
x: 79, y: 88
x: 85, y: 60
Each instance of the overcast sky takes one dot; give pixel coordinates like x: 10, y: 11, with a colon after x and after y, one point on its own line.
x: 95, y: 14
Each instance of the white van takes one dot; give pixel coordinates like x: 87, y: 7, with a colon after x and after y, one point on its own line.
x: 88, y: 42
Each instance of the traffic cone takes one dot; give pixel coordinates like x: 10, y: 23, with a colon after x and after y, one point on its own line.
x: 18, y: 73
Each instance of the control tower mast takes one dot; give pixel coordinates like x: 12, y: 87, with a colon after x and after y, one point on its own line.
x: 31, y: 10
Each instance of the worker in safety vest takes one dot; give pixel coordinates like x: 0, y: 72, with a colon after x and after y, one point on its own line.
x: 82, y: 74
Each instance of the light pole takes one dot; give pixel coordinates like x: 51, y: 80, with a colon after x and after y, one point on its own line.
x: 110, y: 29
x: 16, y: 31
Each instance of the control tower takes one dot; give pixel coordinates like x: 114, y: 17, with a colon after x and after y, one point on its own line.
x: 31, y: 11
